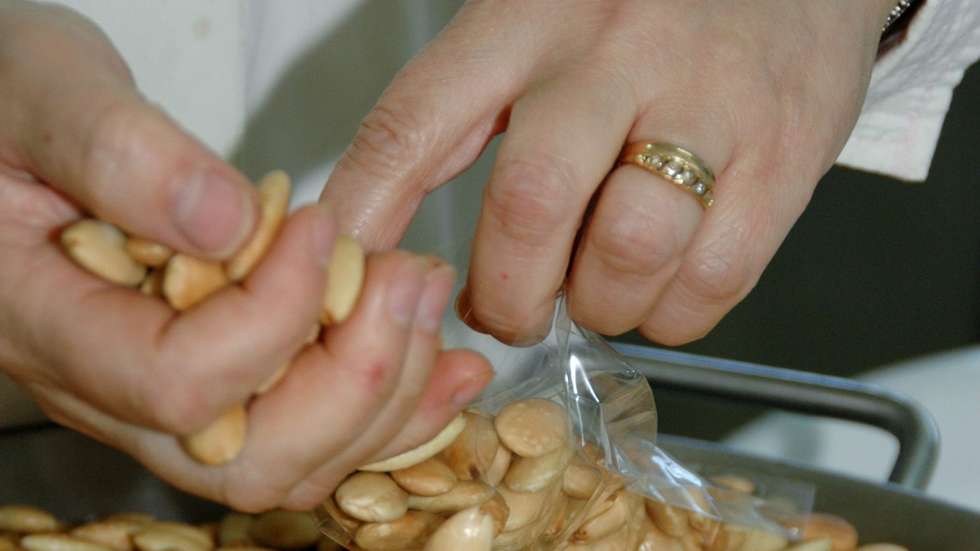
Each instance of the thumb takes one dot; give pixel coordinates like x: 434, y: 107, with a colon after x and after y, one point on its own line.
x: 126, y: 162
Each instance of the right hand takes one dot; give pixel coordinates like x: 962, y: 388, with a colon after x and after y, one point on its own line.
x: 124, y: 368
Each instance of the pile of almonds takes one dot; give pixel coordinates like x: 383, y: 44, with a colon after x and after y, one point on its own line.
x: 184, y: 281
x: 25, y: 528
x: 513, y: 482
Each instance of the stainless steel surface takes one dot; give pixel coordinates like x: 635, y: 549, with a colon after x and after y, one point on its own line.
x: 821, y: 395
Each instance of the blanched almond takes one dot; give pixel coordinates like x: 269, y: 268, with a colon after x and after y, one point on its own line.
x: 273, y: 192
x: 345, y: 277
x: 530, y: 474
x: 423, y: 452
x: 473, y: 451
x: 470, y: 529
x: 842, y: 534
x: 188, y: 281
x: 407, y: 532
x: 532, y: 428
x: 372, y: 497
x: 148, y: 253
x: 27, y: 519
x: 219, y: 442
x: 465, y: 494
x: 429, y: 478
x: 100, y: 248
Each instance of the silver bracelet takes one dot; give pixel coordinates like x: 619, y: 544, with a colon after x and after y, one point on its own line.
x: 896, y: 12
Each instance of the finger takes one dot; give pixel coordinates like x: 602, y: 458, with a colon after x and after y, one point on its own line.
x: 91, y: 136
x: 457, y: 378
x: 641, y: 225
x: 563, y: 137
x: 159, y: 452
x: 333, y: 392
x: 755, y: 206
x: 177, y: 372
x: 431, y: 123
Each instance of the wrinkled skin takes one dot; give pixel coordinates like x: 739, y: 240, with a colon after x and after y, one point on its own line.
x: 765, y: 91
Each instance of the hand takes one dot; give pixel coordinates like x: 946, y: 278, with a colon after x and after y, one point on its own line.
x: 766, y: 92
x: 125, y: 368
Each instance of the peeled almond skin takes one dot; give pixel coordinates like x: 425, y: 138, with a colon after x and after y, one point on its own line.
x: 347, y: 522
x: 470, y: 529
x: 421, y: 453
x: 407, y: 532
x: 148, y: 253
x: 814, y: 545
x: 372, y: 497
x: 187, y: 281
x: 345, y: 277
x: 669, y: 520
x: 497, y: 508
x: 524, y: 508
x: 429, y: 478
x: 881, y: 547
x: 59, y: 542
x: 100, y: 248
x: 473, y: 451
x: 26, y: 519
x: 234, y: 529
x: 532, y: 428
x: 498, y: 467
x: 273, y: 204
x: 610, y: 520
x: 530, y: 474
x: 220, y: 441
x: 842, y: 534
x: 580, y: 480
x: 285, y: 529
x: 152, y: 286
x: 113, y: 534
x: 464, y: 494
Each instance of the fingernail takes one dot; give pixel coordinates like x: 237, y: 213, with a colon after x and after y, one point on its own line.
x: 214, y: 213
x: 435, y: 298
x: 324, y: 234
x: 467, y: 391
x: 464, y: 310
x: 405, y: 292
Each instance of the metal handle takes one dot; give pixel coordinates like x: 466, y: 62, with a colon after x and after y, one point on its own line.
x: 915, y: 429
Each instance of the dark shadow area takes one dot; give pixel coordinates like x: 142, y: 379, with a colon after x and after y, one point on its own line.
x: 875, y: 271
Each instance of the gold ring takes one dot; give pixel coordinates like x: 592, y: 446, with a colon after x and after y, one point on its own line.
x: 674, y: 164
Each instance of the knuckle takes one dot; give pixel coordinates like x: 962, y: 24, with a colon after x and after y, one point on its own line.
x: 718, y: 274
x: 635, y: 243
x: 530, y: 199
x: 175, y: 405
x: 389, y: 140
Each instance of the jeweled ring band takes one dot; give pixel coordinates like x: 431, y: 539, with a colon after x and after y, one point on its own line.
x: 674, y: 164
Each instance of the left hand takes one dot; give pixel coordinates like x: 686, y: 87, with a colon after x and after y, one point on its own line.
x: 765, y: 91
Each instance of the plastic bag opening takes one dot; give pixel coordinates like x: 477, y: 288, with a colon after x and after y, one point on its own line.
x: 560, y: 452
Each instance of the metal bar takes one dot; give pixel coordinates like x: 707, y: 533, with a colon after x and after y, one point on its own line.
x: 808, y: 393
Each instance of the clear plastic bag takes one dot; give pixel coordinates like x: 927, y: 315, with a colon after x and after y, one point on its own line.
x: 605, y: 485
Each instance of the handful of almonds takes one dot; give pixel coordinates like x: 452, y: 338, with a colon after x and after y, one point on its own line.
x: 515, y: 482
x: 184, y: 282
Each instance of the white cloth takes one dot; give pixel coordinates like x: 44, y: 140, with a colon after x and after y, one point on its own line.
x: 275, y: 84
